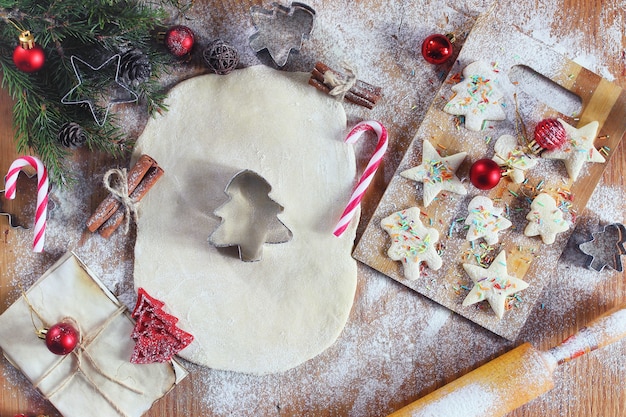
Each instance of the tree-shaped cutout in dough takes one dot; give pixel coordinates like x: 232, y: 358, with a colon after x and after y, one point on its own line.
x: 249, y: 217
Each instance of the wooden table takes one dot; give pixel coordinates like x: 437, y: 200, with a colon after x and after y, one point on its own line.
x: 397, y: 345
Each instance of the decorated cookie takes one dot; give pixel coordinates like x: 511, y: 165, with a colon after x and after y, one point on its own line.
x: 509, y: 153
x: 578, y: 148
x: 545, y: 219
x: 437, y: 173
x: 411, y: 242
x: 493, y: 284
x: 485, y: 220
x: 477, y: 97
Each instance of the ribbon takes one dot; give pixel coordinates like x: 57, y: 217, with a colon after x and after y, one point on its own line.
x: 118, y: 187
x: 340, y: 85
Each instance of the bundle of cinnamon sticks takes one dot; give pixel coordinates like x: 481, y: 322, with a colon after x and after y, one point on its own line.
x: 110, y: 214
x: 360, y: 93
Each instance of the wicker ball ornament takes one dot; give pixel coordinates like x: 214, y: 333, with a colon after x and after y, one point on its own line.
x: 71, y: 135
x: 550, y: 134
x: 221, y: 57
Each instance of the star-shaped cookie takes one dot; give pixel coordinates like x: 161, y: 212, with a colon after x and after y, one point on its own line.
x: 509, y: 153
x: 493, y: 284
x: 437, y: 173
x: 411, y: 242
x: 485, y: 220
x: 545, y: 219
x: 476, y: 97
x: 578, y: 148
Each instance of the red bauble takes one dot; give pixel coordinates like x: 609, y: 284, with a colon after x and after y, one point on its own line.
x: 437, y: 49
x: 485, y: 174
x: 27, y: 56
x: 550, y: 134
x: 179, y: 40
x: 62, y: 338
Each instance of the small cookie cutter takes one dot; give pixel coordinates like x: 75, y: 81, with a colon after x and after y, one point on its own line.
x: 606, y: 247
x: 249, y: 217
x: 20, y: 211
x: 281, y: 29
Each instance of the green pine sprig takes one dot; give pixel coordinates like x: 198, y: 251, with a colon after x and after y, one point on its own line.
x: 92, y: 31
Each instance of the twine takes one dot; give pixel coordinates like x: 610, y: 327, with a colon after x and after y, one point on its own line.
x: 119, y: 190
x: 80, y: 353
x: 340, y: 85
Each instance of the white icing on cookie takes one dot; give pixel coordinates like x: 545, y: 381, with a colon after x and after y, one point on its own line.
x: 509, y: 153
x: 493, y: 284
x: 578, y: 148
x: 485, y: 220
x: 545, y: 219
x: 437, y: 173
x: 411, y: 242
x: 477, y: 97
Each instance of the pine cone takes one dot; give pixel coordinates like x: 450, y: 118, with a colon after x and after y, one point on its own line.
x: 135, y: 68
x: 72, y: 135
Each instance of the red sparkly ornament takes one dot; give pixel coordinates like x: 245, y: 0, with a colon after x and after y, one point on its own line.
x: 62, y: 338
x: 485, y: 174
x: 549, y: 134
x: 437, y: 49
x: 27, y: 56
x: 179, y: 40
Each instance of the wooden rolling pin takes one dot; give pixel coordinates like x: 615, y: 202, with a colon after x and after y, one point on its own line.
x: 515, y: 378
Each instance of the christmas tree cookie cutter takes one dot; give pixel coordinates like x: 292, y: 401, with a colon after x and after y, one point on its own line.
x: 606, y: 247
x: 281, y: 29
x: 249, y: 217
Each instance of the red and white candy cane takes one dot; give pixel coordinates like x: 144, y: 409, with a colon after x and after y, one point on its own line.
x: 42, y: 194
x: 368, y: 174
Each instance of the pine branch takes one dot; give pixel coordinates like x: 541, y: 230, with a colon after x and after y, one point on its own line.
x: 93, y: 31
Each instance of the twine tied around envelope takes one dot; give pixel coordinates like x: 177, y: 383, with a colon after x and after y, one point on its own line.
x: 116, y: 182
x: 340, y: 85
x: 80, y: 353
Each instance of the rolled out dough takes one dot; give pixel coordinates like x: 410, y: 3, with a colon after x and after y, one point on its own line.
x: 253, y: 317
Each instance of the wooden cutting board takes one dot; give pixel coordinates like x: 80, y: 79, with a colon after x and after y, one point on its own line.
x: 536, y: 74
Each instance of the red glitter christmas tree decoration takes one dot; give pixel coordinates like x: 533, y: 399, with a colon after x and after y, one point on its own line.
x: 157, y: 339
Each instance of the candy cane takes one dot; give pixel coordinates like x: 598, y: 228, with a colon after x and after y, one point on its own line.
x: 368, y: 174
x: 42, y: 194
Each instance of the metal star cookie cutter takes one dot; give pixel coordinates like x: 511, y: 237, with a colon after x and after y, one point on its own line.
x: 249, y: 217
x: 21, y: 210
x: 606, y: 247
x: 281, y: 29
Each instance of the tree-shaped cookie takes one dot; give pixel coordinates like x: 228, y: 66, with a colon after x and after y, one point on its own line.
x: 493, y: 284
x: 249, y: 217
x: 545, y: 219
x: 411, y: 242
x: 477, y: 97
x: 157, y: 339
x: 509, y: 153
x: 485, y: 220
x: 437, y: 173
x: 578, y: 148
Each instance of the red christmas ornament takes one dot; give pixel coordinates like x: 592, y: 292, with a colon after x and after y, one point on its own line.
x: 485, y: 174
x: 62, y: 338
x: 549, y: 134
x: 179, y: 40
x: 27, y: 56
x: 437, y: 49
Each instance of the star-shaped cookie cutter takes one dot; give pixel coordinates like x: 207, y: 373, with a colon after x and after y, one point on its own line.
x: 100, y: 121
x: 20, y: 211
x: 606, y: 247
x: 281, y: 29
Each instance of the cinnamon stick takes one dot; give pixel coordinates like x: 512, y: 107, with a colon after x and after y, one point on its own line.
x: 148, y: 181
x: 110, y: 204
x: 361, y: 93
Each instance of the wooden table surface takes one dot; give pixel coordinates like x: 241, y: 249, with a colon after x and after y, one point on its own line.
x: 397, y: 346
